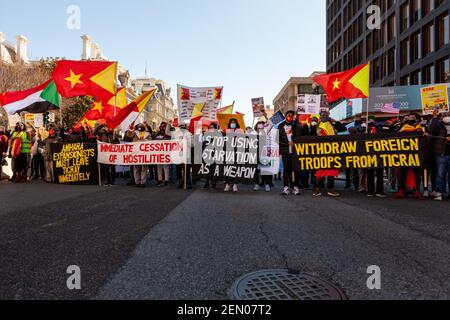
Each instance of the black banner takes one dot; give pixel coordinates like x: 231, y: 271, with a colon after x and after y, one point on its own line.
x: 231, y: 157
x: 73, y: 162
x: 385, y: 150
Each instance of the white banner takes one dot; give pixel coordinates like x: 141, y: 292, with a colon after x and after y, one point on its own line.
x: 188, y: 97
x: 143, y: 153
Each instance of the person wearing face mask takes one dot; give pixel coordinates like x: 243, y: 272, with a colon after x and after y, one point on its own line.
x: 233, y: 128
x: 47, y: 153
x: 439, y: 128
x: 263, y: 128
x: 411, y: 124
x: 210, y: 183
x: 183, y: 170
x: 21, y: 154
x: 3, y: 149
x: 162, y: 170
x: 141, y: 171
x: 289, y: 130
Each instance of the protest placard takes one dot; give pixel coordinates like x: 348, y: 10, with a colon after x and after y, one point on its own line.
x: 386, y: 150
x: 258, y: 107
x: 73, y: 162
x: 143, y: 153
x: 434, y: 98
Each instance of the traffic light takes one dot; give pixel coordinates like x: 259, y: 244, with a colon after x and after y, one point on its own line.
x: 46, y: 118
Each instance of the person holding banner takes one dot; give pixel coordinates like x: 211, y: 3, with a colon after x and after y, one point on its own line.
x: 233, y: 128
x: 326, y: 128
x: 378, y: 173
x: 183, y: 170
x: 141, y: 172
x: 411, y: 123
x: 263, y: 128
x: 288, y: 131
x: 440, y: 130
x: 3, y: 149
x: 163, y: 171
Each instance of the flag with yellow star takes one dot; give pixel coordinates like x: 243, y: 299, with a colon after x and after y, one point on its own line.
x: 107, y: 106
x: 349, y: 84
x: 85, y: 78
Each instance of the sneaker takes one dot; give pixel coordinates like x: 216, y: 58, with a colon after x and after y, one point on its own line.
x: 317, y: 193
x: 400, y: 195
x: 286, y: 191
x: 370, y: 195
x: 297, y: 191
x: 418, y: 196
x: 159, y: 184
x: 227, y: 188
x: 256, y: 188
x: 438, y: 197
x: 381, y: 195
x: 435, y: 194
x: 235, y: 188
x: 268, y: 189
x: 333, y: 194
x: 361, y: 190
x: 206, y: 186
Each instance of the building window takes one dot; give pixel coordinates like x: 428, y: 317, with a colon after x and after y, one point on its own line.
x: 404, y: 17
x: 404, y: 81
x: 415, y: 47
x: 443, y: 70
x: 404, y: 53
x: 415, y: 78
x: 428, y: 39
x: 428, y: 74
x: 443, y: 31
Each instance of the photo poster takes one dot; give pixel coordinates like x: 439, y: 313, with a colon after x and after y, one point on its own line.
x: 258, y: 107
x: 270, y: 154
x: 13, y: 120
x: 35, y: 120
x: 434, y: 98
x: 309, y: 103
x: 231, y: 157
x: 188, y: 97
x: 74, y: 163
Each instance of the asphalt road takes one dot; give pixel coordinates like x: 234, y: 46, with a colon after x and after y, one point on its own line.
x: 170, y: 244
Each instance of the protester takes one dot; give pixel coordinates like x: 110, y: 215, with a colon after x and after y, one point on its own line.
x: 37, y: 158
x: 411, y: 124
x: 233, y: 128
x: 377, y: 173
x: 3, y: 149
x: 288, y: 131
x: 326, y: 128
x: 105, y: 135
x: 20, y: 151
x: 262, y: 180
x: 183, y: 170
x: 163, y: 171
x: 210, y: 183
x: 47, y: 153
x: 141, y: 171
x: 439, y: 128
x: 129, y: 137
x: 352, y: 175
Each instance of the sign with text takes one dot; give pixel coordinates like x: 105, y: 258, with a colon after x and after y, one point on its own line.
x: 72, y: 162
x: 143, y: 153
x: 188, y: 97
x: 309, y: 103
x: 386, y: 150
x: 229, y: 157
x: 434, y: 98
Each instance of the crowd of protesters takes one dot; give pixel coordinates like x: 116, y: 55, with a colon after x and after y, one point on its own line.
x: 31, y: 159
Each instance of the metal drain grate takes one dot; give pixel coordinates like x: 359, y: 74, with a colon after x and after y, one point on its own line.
x: 281, y: 285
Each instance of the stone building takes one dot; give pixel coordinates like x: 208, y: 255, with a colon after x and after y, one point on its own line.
x: 10, y: 53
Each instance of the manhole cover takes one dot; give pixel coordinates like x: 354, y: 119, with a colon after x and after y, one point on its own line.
x: 282, y: 285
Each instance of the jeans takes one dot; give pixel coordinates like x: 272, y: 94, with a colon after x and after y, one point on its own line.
x: 291, y: 179
x: 352, y: 176
x: 443, y: 173
x: 371, y: 181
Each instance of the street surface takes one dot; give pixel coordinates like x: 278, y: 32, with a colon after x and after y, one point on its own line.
x: 171, y: 244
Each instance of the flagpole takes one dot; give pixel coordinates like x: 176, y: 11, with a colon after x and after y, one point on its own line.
x: 367, y: 114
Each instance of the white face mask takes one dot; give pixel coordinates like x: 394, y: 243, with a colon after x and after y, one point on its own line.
x: 446, y: 120
x: 314, y: 123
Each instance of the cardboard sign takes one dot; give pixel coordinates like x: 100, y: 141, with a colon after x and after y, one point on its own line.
x: 309, y: 103
x: 72, y: 162
x: 258, y: 107
x: 434, y: 98
x: 224, y: 119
